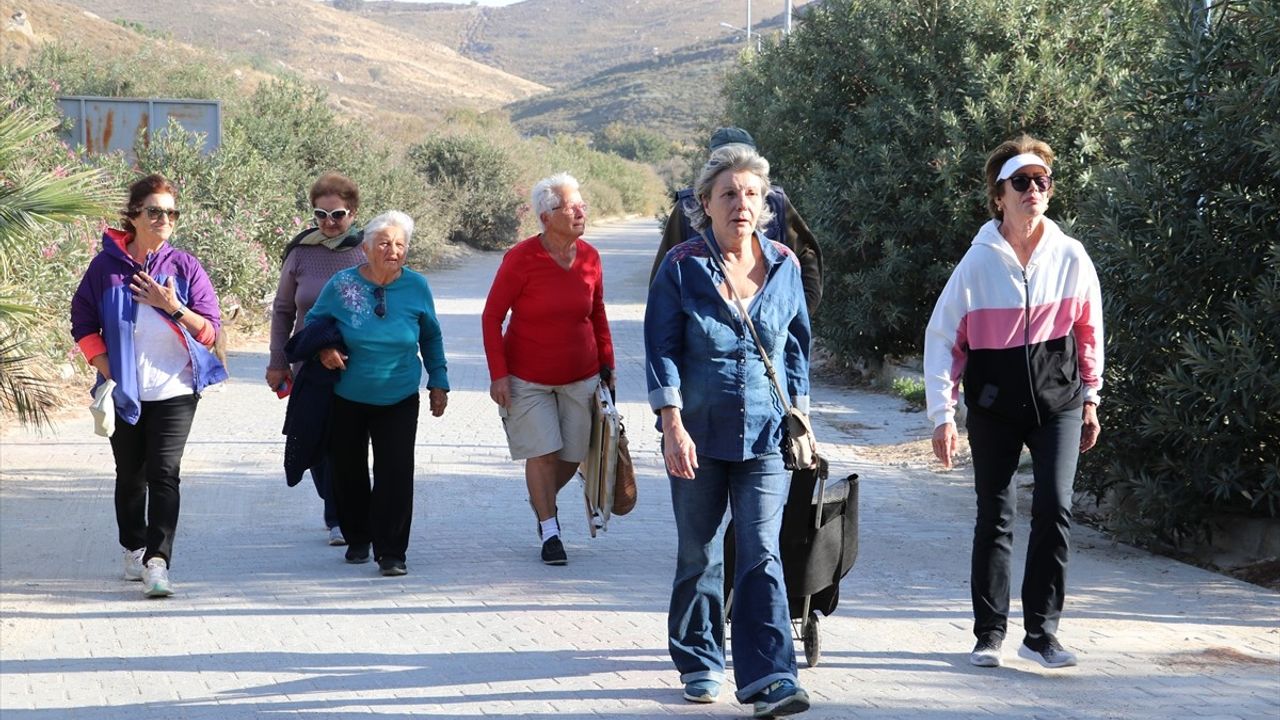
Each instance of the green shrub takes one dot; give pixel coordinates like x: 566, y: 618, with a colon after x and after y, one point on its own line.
x: 634, y: 143
x: 236, y: 210
x: 479, y: 178
x: 1189, y: 254
x: 877, y: 116
x: 911, y: 390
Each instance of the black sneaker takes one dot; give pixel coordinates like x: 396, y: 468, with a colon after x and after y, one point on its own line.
x: 1047, y: 651
x: 987, y: 652
x: 553, y: 551
x: 391, y: 567
x: 358, y: 553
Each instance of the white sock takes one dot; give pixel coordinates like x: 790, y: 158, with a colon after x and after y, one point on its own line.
x: 550, y: 528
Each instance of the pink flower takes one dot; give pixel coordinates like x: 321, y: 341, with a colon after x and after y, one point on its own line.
x: 49, y: 251
x: 60, y: 171
x: 297, y: 221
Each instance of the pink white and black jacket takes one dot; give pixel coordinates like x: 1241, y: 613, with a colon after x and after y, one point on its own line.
x: 1027, y: 343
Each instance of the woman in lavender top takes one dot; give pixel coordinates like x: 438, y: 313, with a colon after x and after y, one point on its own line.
x: 310, y: 259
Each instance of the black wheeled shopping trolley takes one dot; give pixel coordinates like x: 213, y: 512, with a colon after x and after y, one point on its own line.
x: 819, y: 543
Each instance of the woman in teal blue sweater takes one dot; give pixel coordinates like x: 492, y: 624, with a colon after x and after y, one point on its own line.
x: 388, y: 323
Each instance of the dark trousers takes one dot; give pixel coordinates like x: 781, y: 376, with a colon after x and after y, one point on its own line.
x: 997, y: 445
x: 322, y: 477
x: 148, y: 462
x: 379, y: 514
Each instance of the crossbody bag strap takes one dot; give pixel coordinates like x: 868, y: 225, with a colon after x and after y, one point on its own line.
x: 733, y: 293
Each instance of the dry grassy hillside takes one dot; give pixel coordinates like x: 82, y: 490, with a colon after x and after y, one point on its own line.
x: 560, y: 42
x: 370, y: 65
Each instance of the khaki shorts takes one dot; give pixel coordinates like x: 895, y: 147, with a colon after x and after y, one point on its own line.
x: 546, y: 419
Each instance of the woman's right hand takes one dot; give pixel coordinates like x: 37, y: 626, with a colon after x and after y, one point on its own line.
x: 500, y: 391
x: 332, y: 359
x: 277, y: 378
x: 946, y: 442
x: 678, y: 450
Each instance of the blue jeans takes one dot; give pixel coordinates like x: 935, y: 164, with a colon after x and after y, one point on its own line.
x: 756, y: 491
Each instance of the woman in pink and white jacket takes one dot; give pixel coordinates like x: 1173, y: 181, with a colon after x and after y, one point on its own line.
x: 1020, y: 322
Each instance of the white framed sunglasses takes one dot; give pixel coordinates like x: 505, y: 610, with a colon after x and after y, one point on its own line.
x: 335, y: 215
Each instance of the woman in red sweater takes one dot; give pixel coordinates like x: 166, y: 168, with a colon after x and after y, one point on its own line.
x: 556, y: 349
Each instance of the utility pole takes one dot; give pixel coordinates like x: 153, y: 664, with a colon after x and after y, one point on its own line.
x: 748, y: 23
x: 786, y: 22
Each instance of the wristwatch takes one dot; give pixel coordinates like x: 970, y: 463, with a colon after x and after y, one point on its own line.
x: 176, y: 314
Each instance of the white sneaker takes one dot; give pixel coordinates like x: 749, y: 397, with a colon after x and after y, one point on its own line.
x: 155, y: 578
x: 133, y: 564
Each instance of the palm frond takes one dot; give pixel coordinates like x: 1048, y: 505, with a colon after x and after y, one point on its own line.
x: 26, y: 391
x: 32, y: 199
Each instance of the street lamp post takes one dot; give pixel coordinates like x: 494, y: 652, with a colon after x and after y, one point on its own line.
x: 737, y: 29
x: 786, y: 21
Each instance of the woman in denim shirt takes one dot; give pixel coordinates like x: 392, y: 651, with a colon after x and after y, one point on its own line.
x: 722, y: 426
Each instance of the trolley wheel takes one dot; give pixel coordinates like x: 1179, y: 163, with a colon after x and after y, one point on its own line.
x: 812, y: 640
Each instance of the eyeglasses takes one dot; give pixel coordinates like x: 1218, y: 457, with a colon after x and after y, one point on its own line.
x: 332, y: 215
x: 1020, y: 183
x: 380, y: 294
x: 575, y: 207
x: 155, y: 213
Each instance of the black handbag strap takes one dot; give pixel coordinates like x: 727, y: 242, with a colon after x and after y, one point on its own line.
x: 718, y: 261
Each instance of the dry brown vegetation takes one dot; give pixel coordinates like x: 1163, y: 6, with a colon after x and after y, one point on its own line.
x: 370, y: 68
x: 559, y: 42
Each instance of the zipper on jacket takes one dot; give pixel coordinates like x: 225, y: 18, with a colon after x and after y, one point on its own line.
x: 1026, y: 342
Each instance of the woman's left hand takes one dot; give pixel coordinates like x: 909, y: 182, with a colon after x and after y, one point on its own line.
x: 149, y: 292
x: 1090, y: 430
x: 437, y: 400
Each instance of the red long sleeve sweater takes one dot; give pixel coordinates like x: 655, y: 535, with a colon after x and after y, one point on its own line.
x: 558, y: 332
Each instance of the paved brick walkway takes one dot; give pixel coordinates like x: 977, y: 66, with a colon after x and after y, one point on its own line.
x: 268, y: 621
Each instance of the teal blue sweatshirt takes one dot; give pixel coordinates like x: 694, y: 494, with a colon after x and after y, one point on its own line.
x: 382, y: 362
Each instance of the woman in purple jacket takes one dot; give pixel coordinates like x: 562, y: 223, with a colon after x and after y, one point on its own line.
x: 145, y: 316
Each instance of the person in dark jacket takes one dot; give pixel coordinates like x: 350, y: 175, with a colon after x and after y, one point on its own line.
x: 146, y: 317
x: 787, y: 227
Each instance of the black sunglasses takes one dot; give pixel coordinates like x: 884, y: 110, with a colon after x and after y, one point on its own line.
x: 1020, y: 183
x: 380, y: 294
x: 335, y: 215
x: 155, y: 213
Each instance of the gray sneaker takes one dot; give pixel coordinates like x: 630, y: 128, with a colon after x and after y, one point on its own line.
x: 155, y: 578
x: 133, y: 564
x: 1047, y: 651
x: 986, y: 653
x: 335, y: 537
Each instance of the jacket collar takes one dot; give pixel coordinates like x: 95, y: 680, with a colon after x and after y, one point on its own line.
x: 989, y: 235
x: 116, y: 243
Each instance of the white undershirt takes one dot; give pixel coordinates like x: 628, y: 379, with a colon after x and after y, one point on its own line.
x: 164, y: 365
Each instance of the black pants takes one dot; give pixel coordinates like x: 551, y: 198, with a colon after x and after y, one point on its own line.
x: 380, y: 514
x: 148, y: 462
x: 997, y: 445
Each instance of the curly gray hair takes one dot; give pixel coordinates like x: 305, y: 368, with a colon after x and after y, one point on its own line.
x: 390, y: 218
x: 734, y: 157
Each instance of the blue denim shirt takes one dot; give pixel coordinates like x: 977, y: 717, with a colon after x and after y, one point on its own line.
x: 701, y: 358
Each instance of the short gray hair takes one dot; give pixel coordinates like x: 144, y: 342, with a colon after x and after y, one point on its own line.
x: 734, y: 157
x: 545, y: 196
x: 390, y: 218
